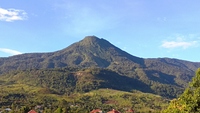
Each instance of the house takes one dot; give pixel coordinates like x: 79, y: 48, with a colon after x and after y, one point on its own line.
x: 96, y: 111
x: 114, y: 111
x: 32, y: 111
x: 130, y: 111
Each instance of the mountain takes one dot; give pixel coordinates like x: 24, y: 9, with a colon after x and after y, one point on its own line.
x: 163, y: 76
x: 89, y: 52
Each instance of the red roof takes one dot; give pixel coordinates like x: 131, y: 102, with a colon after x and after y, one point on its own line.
x: 96, y: 111
x: 32, y: 111
x: 130, y: 111
x: 114, y: 111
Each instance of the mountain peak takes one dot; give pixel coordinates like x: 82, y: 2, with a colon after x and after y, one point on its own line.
x: 90, y: 40
x: 93, y: 40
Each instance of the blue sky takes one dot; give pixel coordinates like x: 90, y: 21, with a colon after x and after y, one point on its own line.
x: 143, y: 28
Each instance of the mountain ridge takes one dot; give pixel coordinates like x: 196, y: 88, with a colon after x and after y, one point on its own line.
x: 159, y: 74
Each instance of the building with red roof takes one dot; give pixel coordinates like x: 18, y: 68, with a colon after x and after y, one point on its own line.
x: 130, y: 111
x: 32, y: 111
x: 114, y: 111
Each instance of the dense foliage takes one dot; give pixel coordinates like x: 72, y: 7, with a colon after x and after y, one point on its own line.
x: 189, y: 101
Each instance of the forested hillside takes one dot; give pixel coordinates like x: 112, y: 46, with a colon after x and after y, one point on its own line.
x: 87, y: 88
x: 90, y: 65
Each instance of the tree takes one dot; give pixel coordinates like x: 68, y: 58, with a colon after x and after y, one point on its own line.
x: 189, y: 101
x: 25, y: 109
x: 58, y: 110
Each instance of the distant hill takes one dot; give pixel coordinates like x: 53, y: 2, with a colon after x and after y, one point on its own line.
x: 163, y: 76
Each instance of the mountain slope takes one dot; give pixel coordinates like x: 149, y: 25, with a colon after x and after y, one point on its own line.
x: 70, y: 80
x: 164, y: 76
x: 89, y: 52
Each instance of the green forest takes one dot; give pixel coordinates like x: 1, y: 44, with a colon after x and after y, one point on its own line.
x: 75, y: 90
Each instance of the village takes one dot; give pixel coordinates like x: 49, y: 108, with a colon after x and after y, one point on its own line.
x: 112, y: 111
x: 38, y: 109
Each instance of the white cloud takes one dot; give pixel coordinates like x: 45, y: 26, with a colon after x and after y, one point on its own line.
x: 180, y: 42
x: 10, y: 15
x: 10, y: 51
